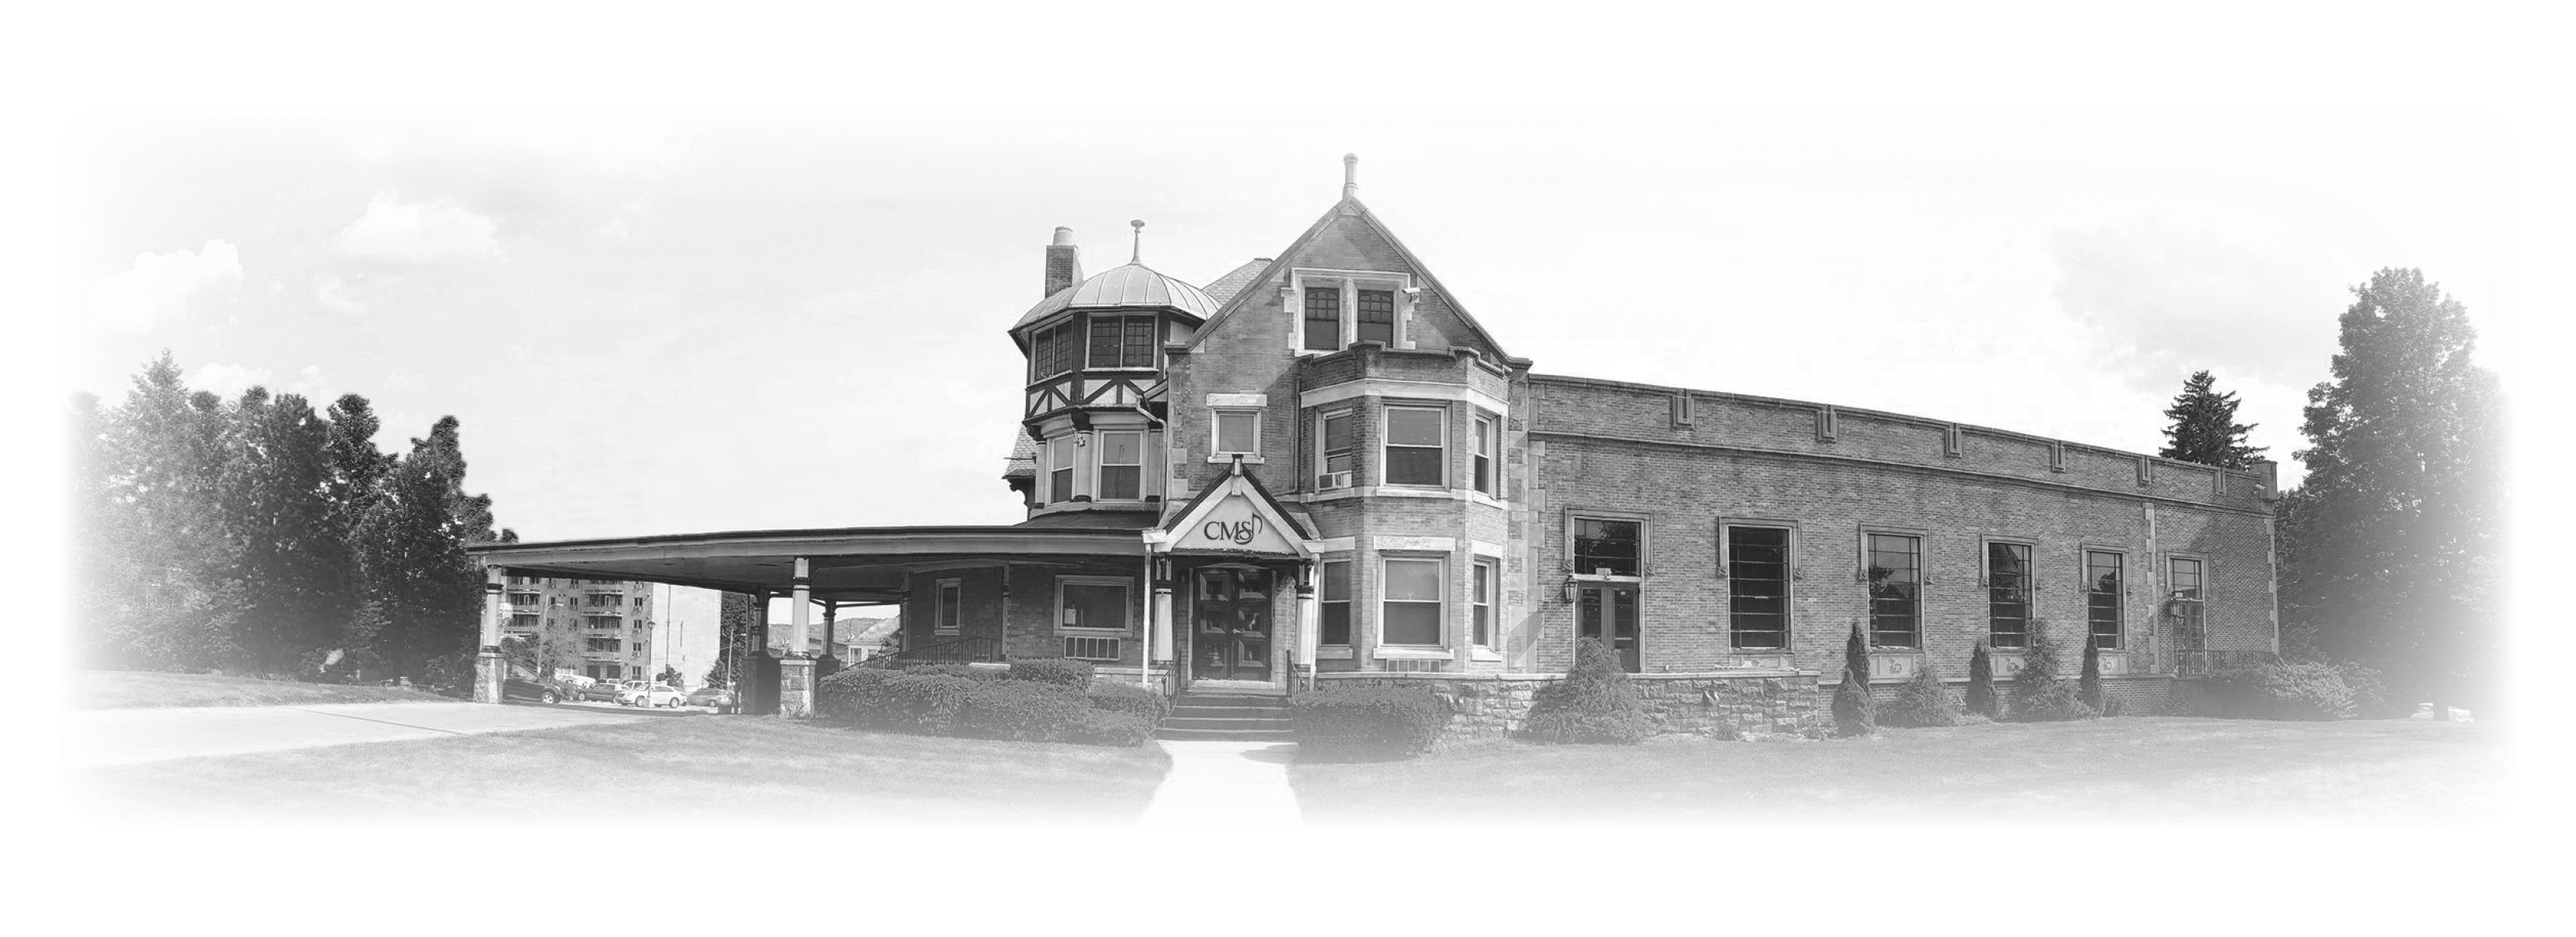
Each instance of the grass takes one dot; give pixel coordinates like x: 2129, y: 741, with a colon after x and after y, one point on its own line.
x: 2104, y: 769
x: 708, y: 768
x: 137, y: 689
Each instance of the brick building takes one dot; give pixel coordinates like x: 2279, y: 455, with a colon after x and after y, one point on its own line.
x: 1319, y: 467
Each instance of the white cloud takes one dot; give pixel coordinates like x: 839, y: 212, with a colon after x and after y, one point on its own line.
x: 161, y: 286
x: 418, y: 232
x: 334, y: 296
x: 227, y: 380
x: 2160, y: 302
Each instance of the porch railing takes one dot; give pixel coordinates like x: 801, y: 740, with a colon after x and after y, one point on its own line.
x: 982, y: 649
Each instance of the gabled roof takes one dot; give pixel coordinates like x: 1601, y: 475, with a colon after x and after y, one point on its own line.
x: 1349, y: 206
x: 1235, y: 280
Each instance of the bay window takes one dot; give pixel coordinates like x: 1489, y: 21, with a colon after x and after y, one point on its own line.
x: 1334, y: 605
x: 1337, y: 456
x: 1122, y: 341
x: 1416, y: 446
x: 1480, y: 599
x: 1409, y: 612
x: 1486, y: 479
x: 1059, y: 470
x: 1122, y: 467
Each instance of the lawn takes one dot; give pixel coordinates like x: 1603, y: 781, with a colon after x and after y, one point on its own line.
x: 2140, y: 769
x: 707, y: 768
x: 138, y: 689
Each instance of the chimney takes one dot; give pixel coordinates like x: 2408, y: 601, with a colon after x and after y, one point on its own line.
x: 1063, y: 262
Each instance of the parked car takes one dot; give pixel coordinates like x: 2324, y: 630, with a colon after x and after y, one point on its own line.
x: 530, y: 691
x: 654, y: 694
x: 605, y: 691
x: 716, y: 696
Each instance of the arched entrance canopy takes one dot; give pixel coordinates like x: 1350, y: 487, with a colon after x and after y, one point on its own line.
x: 850, y: 564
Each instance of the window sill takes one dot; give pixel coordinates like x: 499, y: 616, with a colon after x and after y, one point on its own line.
x: 1333, y: 652
x: 1411, y: 652
x: 1482, y: 653
x: 1227, y: 458
x: 1096, y: 632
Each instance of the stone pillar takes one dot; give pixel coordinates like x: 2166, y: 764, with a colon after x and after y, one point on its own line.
x: 796, y: 667
x: 489, y: 669
x: 1309, y: 621
x: 831, y: 611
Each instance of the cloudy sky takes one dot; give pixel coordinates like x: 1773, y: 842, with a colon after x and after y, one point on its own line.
x: 685, y: 324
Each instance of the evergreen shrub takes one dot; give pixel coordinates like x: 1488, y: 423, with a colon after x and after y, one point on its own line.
x: 1981, y: 685
x: 1023, y: 710
x: 2088, y: 681
x: 2283, y: 689
x: 1060, y: 671
x: 1593, y: 704
x: 1103, y: 727
x: 2039, y: 694
x: 1855, y: 713
x: 1349, y: 723
x: 1132, y: 700
x: 1922, y: 701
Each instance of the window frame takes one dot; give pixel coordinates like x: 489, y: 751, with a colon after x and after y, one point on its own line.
x: 1065, y: 448
x: 2029, y: 586
x: 1484, y: 445
x: 1789, y: 573
x: 1346, y: 286
x: 2119, y: 596
x: 1100, y: 464
x: 1440, y: 613
x: 1126, y: 605
x: 1484, y: 581
x: 1047, y: 348
x: 1216, y: 431
x: 1922, y: 581
x: 2199, y: 604
x: 1324, y: 600
x: 1306, y: 295
x: 1324, y: 452
x: 1394, y: 314
x: 941, y: 604
x: 1386, y: 441
x: 1645, y: 543
x: 1153, y: 344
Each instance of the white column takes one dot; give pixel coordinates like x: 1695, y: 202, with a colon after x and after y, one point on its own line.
x: 803, y: 608
x: 1309, y: 619
x: 492, y: 607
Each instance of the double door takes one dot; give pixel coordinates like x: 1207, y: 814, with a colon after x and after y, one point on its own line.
x: 1230, y: 623
x: 1609, y: 612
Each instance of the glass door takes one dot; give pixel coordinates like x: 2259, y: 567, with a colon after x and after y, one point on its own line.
x: 1609, y: 613
x: 1230, y: 624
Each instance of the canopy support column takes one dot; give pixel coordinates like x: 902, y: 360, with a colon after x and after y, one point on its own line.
x: 796, y: 667
x: 490, y: 671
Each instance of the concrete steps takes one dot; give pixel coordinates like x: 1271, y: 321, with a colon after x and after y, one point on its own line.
x: 1228, y: 717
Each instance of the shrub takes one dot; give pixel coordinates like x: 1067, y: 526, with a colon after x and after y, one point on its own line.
x: 2088, y: 679
x: 1594, y: 703
x: 1136, y: 701
x: 1060, y: 671
x: 1854, y: 712
x: 1023, y: 710
x: 856, y: 696
x: 1103, y: 727
x: 1981, y: 684
x: 960, y: 671
x: 2038, y: 693
x: 1922, y: 701
x: 926, y: 704
x: 2288, y: 690
x: 1363, y: 722
x: 2369, y: 691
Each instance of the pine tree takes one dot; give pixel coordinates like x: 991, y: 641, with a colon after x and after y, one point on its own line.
x: 1981, y: 684
x: 2204, y: 427
x: 425, y: 592
x: 290, y: 570
x: 2394, y: 558
x: 1854, y: 712
x: 2088, y: 681
x: 1923, y: 700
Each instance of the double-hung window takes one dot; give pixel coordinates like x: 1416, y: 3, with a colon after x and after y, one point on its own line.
x: 1416, y: 450
x: 1335, y: 604
x: 1480, y: 599
x: 2183, y: 575
x: 2102, y: 594
x: 1757, y: 578
x: 1122, y: 341
x: 1895, y: 590
x: 1323, y: 318
x: 1338, y: 451
x: 1377, y: 316
x: 1059, y: 470
x: 1412, y: 591
x: 1122, y: 466
x: 1487, y: 480
x: 2008, y: 595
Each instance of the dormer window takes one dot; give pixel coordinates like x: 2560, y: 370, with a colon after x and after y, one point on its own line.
x: 1122, y: 341
x: 1343, y: 307
x: 1324, y: 318
x: 1377, y: 317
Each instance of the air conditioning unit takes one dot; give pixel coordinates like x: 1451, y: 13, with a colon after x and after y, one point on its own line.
x: 1332, y: 480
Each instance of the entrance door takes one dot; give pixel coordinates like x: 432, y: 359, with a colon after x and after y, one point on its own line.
x: 1230, y: 624
x: 1610, y: 613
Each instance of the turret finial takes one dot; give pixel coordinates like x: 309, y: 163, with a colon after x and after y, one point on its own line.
x: 1137, y: 255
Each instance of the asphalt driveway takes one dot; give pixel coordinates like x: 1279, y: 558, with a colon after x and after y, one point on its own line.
x: 97, y: 738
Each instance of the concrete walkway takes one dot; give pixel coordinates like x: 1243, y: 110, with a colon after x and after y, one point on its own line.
x: 102, y: 737
x: 1228, y: 784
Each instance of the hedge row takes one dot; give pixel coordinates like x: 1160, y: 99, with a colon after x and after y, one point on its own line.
x: 1334, y: 722
x: 1033, y: 701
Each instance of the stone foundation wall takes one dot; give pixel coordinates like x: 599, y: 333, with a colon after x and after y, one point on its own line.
x: 1733, y: 705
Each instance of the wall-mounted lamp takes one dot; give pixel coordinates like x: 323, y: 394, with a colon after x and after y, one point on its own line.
x: 1569, y: 588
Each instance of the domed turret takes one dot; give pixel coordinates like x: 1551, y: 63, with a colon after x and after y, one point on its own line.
x: 1127, y: 287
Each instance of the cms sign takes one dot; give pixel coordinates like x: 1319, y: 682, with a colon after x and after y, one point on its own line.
x: 1238, y: 532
